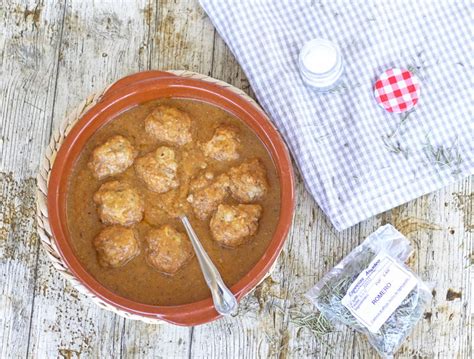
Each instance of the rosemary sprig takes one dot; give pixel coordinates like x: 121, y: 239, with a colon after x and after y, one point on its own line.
x: 415, y: 70
x: 316, y: 323
x: 419, y: 64
x: 394, y: 146
x: 391, y: 141
x: 444, y: 156
x: 276, y: 347
x: 342, y: 87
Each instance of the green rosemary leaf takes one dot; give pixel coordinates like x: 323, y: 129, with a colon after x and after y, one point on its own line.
x: 316, y: 323
x: 444, y: 156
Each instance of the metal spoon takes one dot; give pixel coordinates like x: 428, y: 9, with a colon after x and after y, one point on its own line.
x: 224, y: 301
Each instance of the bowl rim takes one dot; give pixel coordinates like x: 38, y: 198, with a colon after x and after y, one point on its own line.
x: 123, y: 95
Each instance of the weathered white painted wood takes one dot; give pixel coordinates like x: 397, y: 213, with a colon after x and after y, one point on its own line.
x: 102, y: 41
x: 182, y: 37
x: 29, y: 38
x: 178, y: 39
x: 441, y: 233
x: 227, y: 338
x: 269, y: 328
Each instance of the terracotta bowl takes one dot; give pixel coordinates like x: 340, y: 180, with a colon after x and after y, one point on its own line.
x: 123, y: 95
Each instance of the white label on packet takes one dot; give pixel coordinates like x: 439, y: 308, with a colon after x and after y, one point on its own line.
x: 378, y: 291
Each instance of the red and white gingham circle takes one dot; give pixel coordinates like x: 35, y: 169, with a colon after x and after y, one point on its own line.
x: 397, y: 90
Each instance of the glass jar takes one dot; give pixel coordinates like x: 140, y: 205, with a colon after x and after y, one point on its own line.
x: 320, y: 63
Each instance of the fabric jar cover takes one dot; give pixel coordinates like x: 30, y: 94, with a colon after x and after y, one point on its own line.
x: 357, y: 159
x: 397, y: 90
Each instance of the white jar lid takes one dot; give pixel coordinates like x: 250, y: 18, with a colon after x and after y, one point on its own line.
x: 320, y: 63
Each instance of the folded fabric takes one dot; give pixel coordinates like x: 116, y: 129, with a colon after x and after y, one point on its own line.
x: 357, y: 159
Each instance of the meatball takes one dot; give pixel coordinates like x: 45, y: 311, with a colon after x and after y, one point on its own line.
x: 207, y: 193
x: 158, y: 170
x: 224, y: 144
x: 112, y: 158
x: 119, y: 203
x: 170, y: 125
x: 116, y: 246
x: 248, y: 182
x: 232, y: 225
x: 167, y: 250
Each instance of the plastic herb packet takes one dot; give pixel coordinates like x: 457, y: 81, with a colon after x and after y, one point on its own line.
x: 372, y: 291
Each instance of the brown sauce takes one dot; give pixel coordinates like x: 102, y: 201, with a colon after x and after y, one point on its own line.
x: 137, y: 280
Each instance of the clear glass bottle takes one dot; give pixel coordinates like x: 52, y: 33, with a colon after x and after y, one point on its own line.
x: 321, y: 65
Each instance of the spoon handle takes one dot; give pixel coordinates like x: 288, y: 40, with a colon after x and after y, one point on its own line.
x: 224, y: 301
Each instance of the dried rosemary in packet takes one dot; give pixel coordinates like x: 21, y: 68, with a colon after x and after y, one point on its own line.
x: 374, y: 292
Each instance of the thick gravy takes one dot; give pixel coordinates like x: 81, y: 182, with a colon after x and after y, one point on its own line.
x: 137, y: 280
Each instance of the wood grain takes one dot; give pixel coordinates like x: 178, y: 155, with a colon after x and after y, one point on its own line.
x: 53, y: 54
x: 29, y: 41
x: 100, y: 43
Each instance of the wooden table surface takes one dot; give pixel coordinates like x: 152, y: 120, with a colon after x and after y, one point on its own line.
x: 55, y: 53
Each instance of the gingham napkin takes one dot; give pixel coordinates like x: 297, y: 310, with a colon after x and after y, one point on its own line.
x: 357, y: 159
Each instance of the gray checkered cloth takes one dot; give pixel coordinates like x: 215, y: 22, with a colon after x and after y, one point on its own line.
x: 356, y: 159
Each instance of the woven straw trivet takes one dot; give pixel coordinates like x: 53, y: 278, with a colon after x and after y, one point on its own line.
x: 44, y: 229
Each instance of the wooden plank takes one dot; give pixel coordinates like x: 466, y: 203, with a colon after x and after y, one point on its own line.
x: 235, y: 337
x: 226, y: 68
x: 182, y: 40
x: 29, y: 40
x: 263, y: 329
x: 178, y: 39
x: 438, y: 227
x: 102, y: 41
